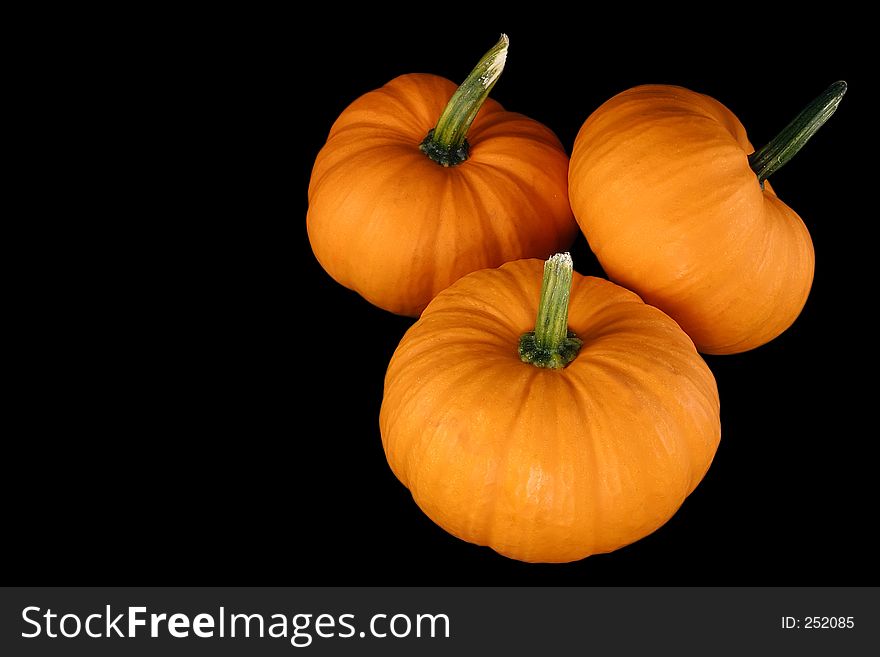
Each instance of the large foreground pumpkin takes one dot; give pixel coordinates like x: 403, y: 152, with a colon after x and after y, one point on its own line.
x: 594, y: 448
x: 665, y: 190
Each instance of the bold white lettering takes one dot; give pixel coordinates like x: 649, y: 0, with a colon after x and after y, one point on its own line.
x: 89, y: 626
x: 247, y: 626
x: 202, y: 624
x: 297, y: 633
x: 280, y: 624
x: 373, y: 626
x: 49, y: 616
x: 178, y: 626
x: 134, y: 621
x: 343, y: 623
x: 433, y: 618
x: 154, y: 623
x: 24, y: 617
x: 408, y: 625
x: 320, y: 621
x: 112, y: 626
x: 78, y: 625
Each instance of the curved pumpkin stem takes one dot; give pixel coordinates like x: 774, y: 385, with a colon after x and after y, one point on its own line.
x: 551, y: 344
x: 447, y: 143
x: 792, y: 138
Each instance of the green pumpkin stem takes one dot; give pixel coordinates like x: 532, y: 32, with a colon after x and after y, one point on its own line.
x: 792, y: 138
x: 447, y: 143
x: 551, y: 344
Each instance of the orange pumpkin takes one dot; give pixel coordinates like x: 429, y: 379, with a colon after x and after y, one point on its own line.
x: 591, y: 450
x: 399, y: 207
x: 675, y: 209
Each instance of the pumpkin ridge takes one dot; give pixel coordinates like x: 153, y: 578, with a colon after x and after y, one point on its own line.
x: 496, y: 516
x: 497, y: 326
x: 404, y: 104
x: 537, y: 206
x: 412, y: 396
x: 582, y: 402
x: 513, y: 126
x: 374, y: 223
x: 491, y: 241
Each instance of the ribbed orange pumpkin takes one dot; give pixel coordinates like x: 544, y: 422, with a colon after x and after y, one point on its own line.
x: 541, y: 464
x: 663, y: 187
x: 393, y: 224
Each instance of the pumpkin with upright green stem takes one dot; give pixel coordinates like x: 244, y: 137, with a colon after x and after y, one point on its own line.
x: 549, y: 416
x: 420, y: 183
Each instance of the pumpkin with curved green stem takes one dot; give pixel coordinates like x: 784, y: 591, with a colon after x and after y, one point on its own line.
x: 401, y: 203
x: 675, y: 208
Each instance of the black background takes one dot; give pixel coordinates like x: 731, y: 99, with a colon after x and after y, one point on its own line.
x: 201, y: 400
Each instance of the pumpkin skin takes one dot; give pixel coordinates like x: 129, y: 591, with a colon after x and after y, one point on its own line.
x: 661, y: 187
x: 395, y: 226
x: 547, y: 465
